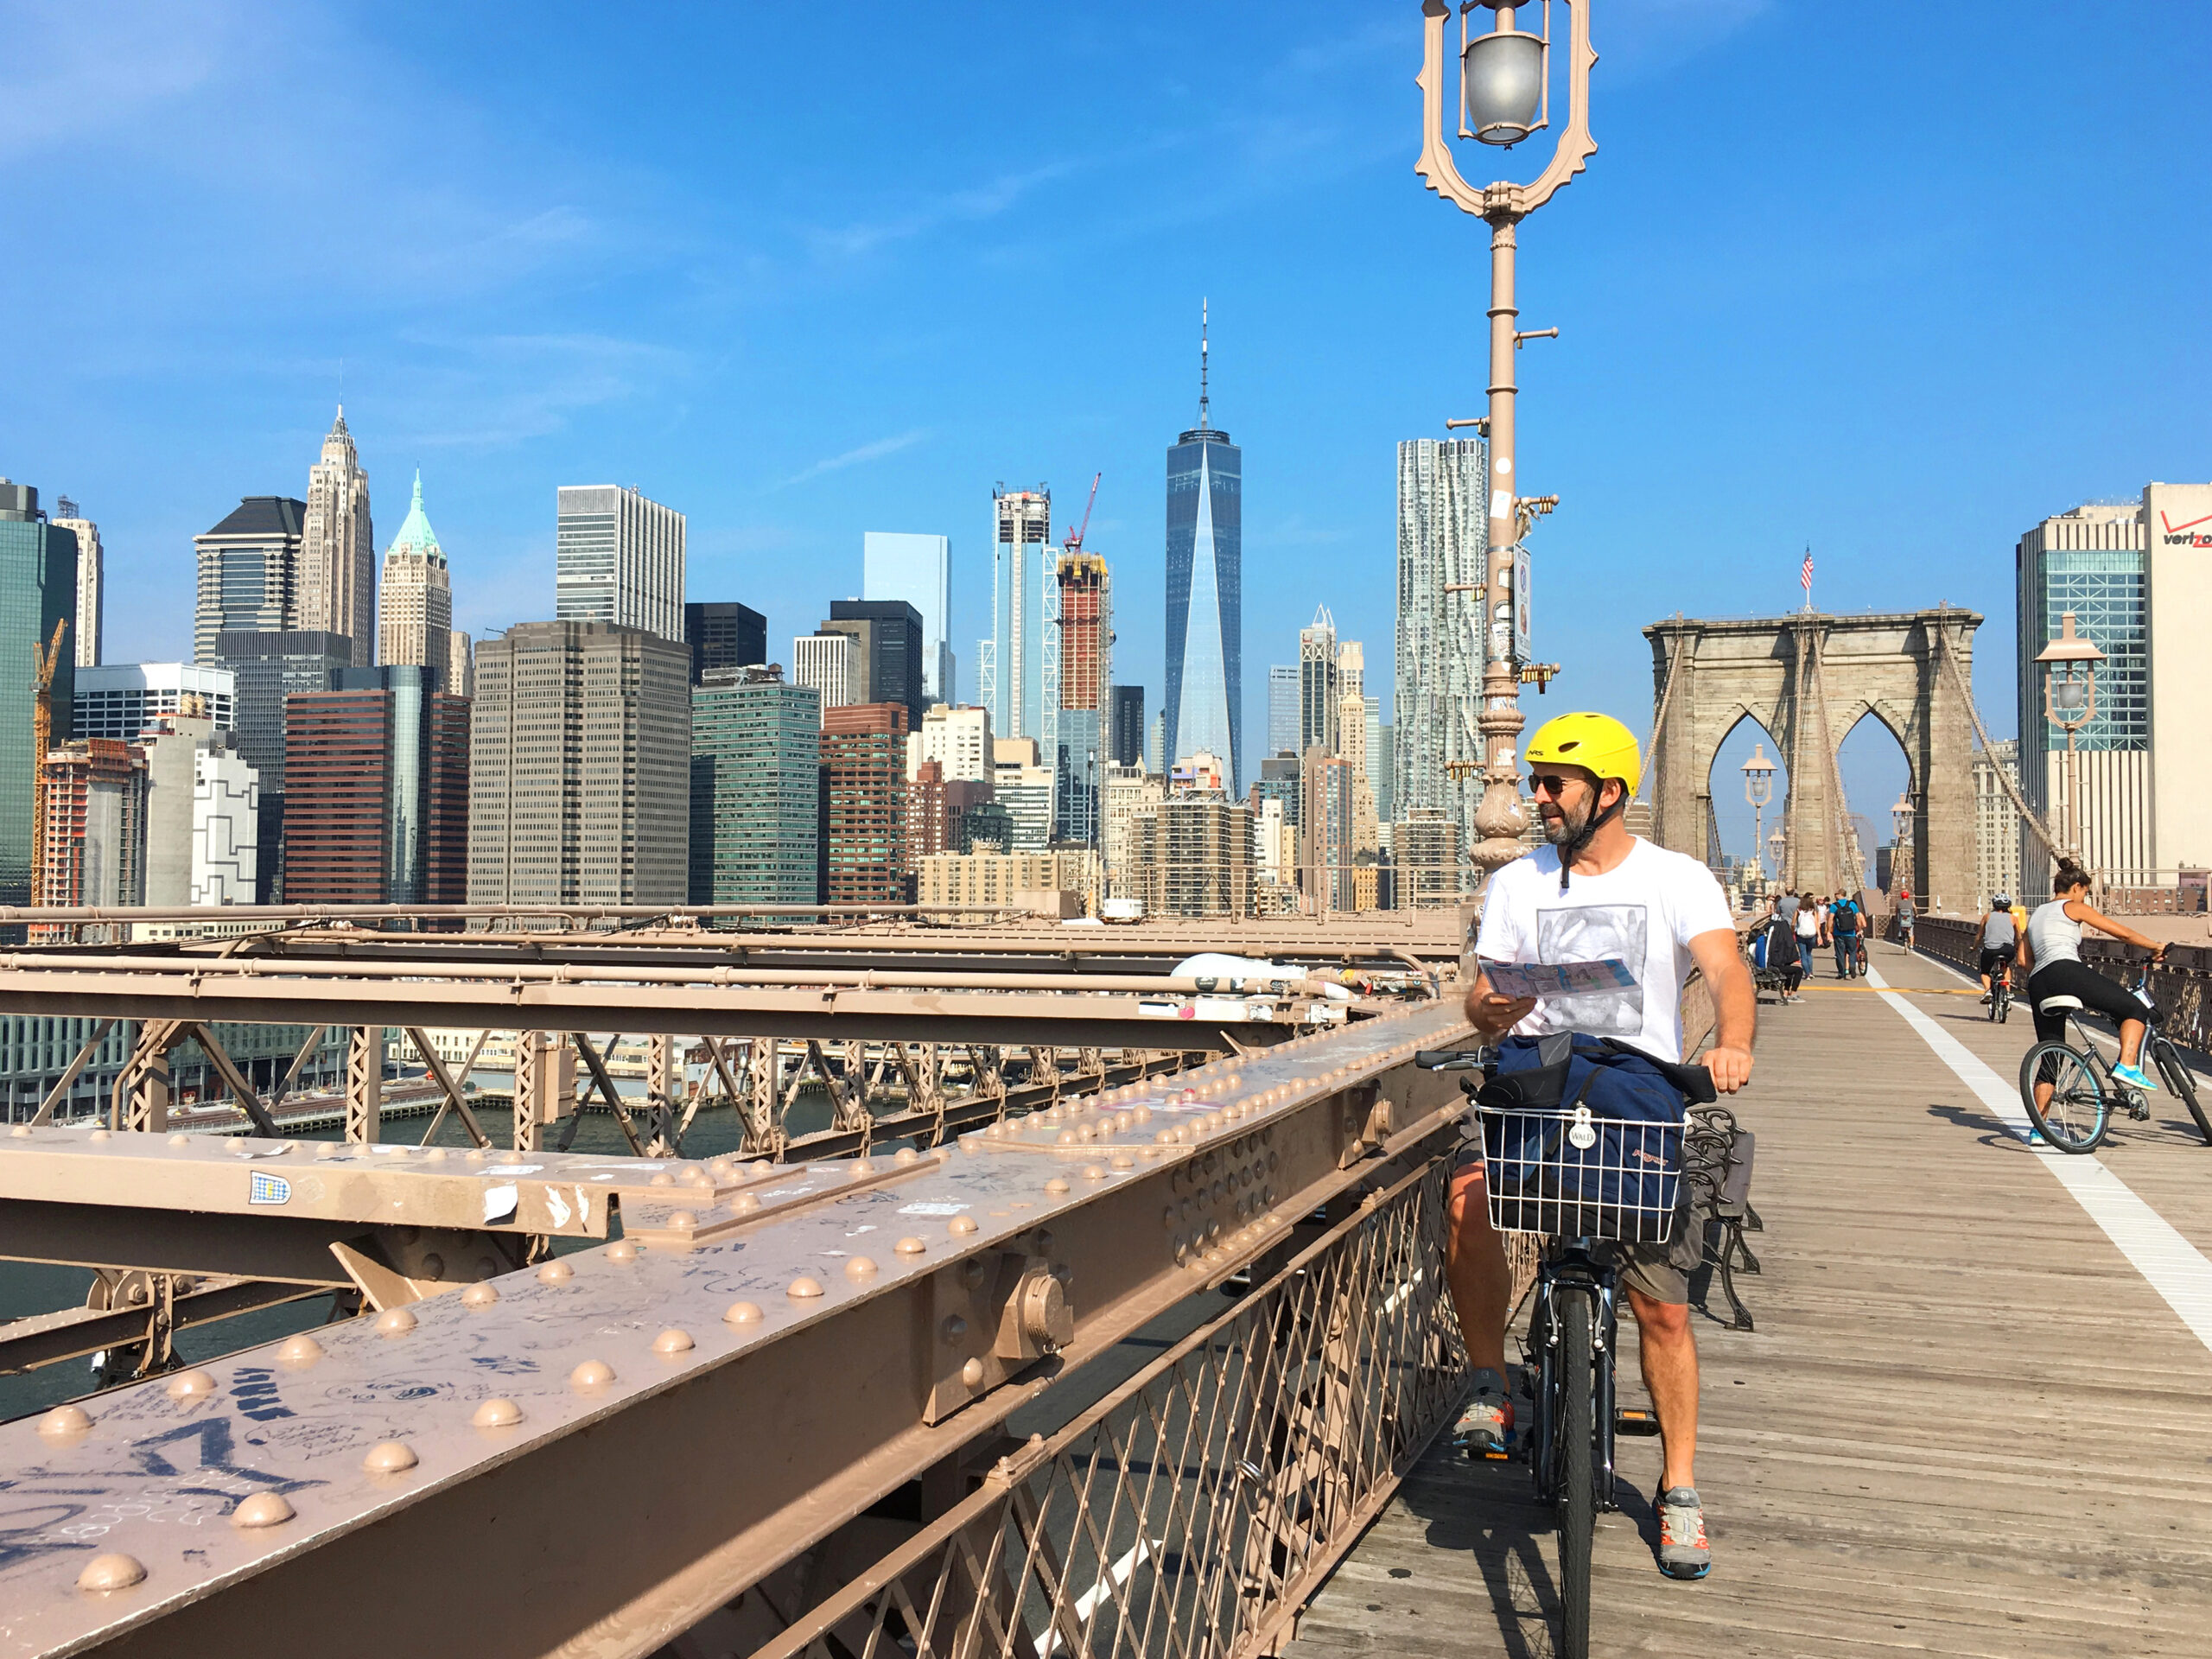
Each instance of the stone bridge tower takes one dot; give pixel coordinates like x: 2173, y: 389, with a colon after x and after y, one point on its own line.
x: 1809, y: 678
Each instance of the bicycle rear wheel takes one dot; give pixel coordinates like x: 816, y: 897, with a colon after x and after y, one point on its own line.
x: 2074, y: 1120
x: 2184, y: 1085
x: 1578, y: 1494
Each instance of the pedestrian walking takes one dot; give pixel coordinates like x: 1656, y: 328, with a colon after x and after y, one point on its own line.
x: 1808, y: 934
x: 1844, y: 922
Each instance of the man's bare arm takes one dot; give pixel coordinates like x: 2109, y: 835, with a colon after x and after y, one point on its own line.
x: 1494, y: 1016
x: 1735, y: 1005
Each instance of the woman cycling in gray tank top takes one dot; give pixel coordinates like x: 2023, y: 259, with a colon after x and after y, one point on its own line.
x: 2051, y: 957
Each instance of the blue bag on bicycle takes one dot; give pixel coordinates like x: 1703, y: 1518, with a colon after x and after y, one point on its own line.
x: 1582, y: 1138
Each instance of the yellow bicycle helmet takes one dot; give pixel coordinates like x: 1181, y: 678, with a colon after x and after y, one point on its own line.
x: 1597, y: 743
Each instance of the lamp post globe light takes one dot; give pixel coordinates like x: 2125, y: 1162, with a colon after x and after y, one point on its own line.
x: 1901, y: 816
x: 1758, y: 794
x: 2069, y: 701
x: 1774, y: 847
x: 1505, y: 76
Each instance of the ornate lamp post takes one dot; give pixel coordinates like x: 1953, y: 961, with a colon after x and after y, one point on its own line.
x: 1774, y: 847
x: 1901, y: 818
x: 1758, y: 791
x: 2069, y: 701
x: 1504, y: 97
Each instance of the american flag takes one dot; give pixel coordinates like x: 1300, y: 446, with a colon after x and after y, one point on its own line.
x: 1805, y: 575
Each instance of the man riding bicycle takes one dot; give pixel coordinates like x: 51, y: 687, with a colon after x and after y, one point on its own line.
x: 1597, y: 892
x: 2000, y: 942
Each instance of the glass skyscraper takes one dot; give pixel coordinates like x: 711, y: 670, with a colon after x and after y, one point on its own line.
x: 1018, y: 666
x: 1205, y: 705
x: 917, y: 568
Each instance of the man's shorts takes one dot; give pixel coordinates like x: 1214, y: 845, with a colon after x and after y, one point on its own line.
x: 1661, y: 1272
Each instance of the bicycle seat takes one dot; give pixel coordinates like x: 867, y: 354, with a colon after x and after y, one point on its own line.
x: 2057, y: 1004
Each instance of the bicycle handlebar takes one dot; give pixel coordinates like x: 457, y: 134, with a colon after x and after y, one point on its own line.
x: 1448, y: 1059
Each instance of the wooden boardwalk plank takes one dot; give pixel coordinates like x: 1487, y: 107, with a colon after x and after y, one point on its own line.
x: 1966, y: 1425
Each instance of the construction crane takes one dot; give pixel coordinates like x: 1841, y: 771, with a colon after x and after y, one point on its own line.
x: 42, y: 667
x: 1073, y: 544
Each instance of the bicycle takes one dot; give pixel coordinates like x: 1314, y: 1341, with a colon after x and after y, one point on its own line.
x: 1555, y: 1184
x: 2083, y: 1087
x: 2001, y: 994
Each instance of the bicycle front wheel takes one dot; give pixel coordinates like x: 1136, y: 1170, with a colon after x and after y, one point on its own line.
x: 2073, y: 1118
x: 1577, y: 1493
x: 2184, y: 1085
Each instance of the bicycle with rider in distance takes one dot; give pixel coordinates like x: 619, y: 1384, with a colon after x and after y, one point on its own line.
x: 1588, y: 1185
x: 2077, y: 1110
x: 2000, y: 992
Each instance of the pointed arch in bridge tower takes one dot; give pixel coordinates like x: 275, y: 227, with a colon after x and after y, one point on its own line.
x: 1809, y: 678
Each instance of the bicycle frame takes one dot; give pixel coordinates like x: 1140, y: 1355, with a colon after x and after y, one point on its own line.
x: 1587, y: 1263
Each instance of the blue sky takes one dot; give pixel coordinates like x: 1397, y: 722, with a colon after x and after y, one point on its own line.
x: 1894, y: 284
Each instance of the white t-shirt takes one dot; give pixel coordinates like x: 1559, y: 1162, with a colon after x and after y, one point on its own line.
x: 1645, y: 911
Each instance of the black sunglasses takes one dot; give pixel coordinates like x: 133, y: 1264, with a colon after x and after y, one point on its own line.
x: 1552, y: 783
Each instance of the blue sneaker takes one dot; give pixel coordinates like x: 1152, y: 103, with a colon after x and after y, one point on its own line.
x: 2133, y: 1076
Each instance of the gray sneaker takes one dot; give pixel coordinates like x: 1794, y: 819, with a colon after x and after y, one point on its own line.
x: 1486, y: 1428
x: 1683, y: 1552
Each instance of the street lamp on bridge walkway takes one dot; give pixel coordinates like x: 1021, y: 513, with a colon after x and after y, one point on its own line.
x: 1504, y: 97
x: 1758, y: 794
x: 2070, y: 700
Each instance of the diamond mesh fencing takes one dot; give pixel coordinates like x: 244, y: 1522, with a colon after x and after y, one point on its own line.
x: 1191, y: 1512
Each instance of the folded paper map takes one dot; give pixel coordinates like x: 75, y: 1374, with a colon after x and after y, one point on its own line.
x: 1552, y: 980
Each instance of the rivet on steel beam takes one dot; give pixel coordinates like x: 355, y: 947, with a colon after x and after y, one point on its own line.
x: 433, y: 1266
x: 860, y: 1266
x: 683, y: 1220
x: 972, y: 1373
x: 435, y: 1154
x: 555, y: 1272
x: 622, y: 1250
x: 180, y: 1140
x: 479, y: 1295
x: 960, y: 1226
x: 862, y: 1166
x: 298, y: 1353
x: 475, y: 1155
x: 497, y: 1414
x: 190, y: 1385
x: 746, y: 1203
x: 591, y: 1376
x: 742, y: 1313
x: 1165, y: 1136
x: 720, y: 1169
x: 1142, y: 1112
x: 955, y: 1328
x: 328, y: 1149
x: 905, y: 1156
x: 1122, y: 1160
x: 1093, y: 1172
x: 1064, y: 1138
x: 759, y: 1166
x: 117, y: 1571
x: 691, y: 1175
x: 64, y: 1424
x: 21, y: 1132
x: 394, y: 1322
x: 262, y: 1510
x: 391, y: 1457
x: 672, y: 1342
x: 101, y: 1134
x: 487, y: 1267
x: 661, y: 1178
x: 804, y: 1289
x: 1056, y: 1187
x: 910, y: 1247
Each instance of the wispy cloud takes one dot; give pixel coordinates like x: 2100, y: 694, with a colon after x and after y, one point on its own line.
x: 867, y: 451
x: 970, y: 205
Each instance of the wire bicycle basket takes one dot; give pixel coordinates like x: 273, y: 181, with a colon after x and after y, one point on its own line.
x: 1572, y: 1173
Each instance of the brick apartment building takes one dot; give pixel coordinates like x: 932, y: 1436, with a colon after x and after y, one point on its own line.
x: 865, y: 857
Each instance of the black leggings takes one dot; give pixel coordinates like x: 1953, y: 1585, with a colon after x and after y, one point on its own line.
x: 2069, y: 978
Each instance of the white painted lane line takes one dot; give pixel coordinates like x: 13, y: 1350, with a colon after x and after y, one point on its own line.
x: 2176, y: 1268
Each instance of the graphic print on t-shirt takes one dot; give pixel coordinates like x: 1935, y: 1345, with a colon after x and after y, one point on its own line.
x: 1591, y: 933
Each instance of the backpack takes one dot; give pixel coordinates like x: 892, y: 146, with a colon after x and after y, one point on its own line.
x: 1846, y: 918
x: 1616, y: 1176
x: 1767, y: 953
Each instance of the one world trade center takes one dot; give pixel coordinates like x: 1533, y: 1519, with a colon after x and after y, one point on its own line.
x: 1204, y: 704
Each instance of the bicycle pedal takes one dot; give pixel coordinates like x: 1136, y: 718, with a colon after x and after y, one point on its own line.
x: 1627, y: 1420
